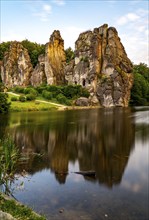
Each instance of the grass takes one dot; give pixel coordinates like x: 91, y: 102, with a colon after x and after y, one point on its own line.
x: 18, y: 210
x: 9, y: 156
x: 17, y: 106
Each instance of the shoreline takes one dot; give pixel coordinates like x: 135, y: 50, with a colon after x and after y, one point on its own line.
x: 11, y: 209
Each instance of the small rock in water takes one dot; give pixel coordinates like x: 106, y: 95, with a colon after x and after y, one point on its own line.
x: 61, y: 210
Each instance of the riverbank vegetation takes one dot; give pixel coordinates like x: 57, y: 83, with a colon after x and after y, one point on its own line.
x: 4, y: 103
x: 9, y: 158
x: 17, y: 210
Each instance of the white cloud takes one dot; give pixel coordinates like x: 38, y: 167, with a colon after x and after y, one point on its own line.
x: 134, y: 35
x: 59, y: 2
x: 44, y: 13
x: 127, y: 18
x: 47, y: 8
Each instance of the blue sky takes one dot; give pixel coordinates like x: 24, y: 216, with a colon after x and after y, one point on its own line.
x: 35, y: 20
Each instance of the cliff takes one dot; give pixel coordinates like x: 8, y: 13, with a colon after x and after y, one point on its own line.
x: 16, y: 66
x: 102, y: 66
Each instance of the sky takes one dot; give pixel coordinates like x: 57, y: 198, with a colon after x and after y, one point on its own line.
x: 36, y: 20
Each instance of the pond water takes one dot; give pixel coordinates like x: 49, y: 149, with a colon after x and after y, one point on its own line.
x: 114, y: 143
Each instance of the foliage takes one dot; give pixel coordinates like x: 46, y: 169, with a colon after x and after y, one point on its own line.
x: 31, y: 91
x: 69, y: 55
x: 140, y: 89
x: 2, y: 87
x: 4, y: 104
x: 14, y: 98
x: 30, y: 97
x: 142, y: 69
x: 9, y: 156
x: 17, y: 210
x: 61, y: 98
x: 40, y: 89
x: 22, y: 98
x: 47, y: 95
x: 18, y: 89
x: 34, y: 50
x: 69, y: 91
x: 3, y: 48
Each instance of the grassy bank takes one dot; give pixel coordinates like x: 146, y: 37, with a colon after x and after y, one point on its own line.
x: 17, y: 210
x: 17, y: 106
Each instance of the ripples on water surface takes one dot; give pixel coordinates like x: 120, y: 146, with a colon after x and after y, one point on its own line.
x: 112, y: 142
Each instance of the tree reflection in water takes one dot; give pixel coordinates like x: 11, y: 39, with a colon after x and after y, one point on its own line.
x: 99, y: 139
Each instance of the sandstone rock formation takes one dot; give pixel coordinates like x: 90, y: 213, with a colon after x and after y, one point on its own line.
x: 16, y: 67
x: 102, y: 66
x: 38, y: 76
x: 55, y: 59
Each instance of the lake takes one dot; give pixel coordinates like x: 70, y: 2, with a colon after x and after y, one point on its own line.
x: 113, y: 143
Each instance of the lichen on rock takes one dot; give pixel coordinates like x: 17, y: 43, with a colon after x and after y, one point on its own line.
x: 16, y: 67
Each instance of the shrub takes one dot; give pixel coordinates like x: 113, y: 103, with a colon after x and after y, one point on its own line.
x: 31, y: 91
x: 40, y: 89
x: 47, y: 95
x: 4, y: 104
x: 30, y: 97
x: 22, y: 98
x: 61, y: 98
x: 85, y: 93
x: 19, y: 89
x: 14, y: 98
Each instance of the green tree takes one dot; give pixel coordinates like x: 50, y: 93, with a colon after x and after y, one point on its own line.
x: 3, y: 48
x: 140, y: 89
x: 142, y: 69
x: 69, y: 54
x: 4, y: 104
x: 34, y: 50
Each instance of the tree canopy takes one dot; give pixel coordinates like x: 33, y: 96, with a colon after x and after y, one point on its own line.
x: 69, y: 54
x: 34, y: 50
x: 140, y: 89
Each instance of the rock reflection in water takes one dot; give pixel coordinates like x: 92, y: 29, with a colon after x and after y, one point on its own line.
x: 99, y: 139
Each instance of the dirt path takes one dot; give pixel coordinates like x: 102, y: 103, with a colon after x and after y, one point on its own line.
x: 37, y: 100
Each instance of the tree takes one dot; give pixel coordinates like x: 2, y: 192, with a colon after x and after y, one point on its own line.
x: 34, y: 50
x: 4, y: 104
x: 3, y: 48
x: 69, y: 54
x: 140, y: 89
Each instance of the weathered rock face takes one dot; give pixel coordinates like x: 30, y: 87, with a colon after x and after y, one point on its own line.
x: 38, y: 75
x: 101, y: 65
x: 16, y: 67
x: 55, y: 59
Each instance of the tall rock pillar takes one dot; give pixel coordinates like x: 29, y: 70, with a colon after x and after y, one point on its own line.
x: 55, y: 59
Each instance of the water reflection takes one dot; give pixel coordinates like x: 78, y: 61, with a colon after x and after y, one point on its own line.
x: 100, y: 140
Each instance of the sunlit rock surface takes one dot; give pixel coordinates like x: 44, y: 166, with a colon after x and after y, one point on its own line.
x: 16, y: 67
x: 101, y: 65
x: 55, y: 59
